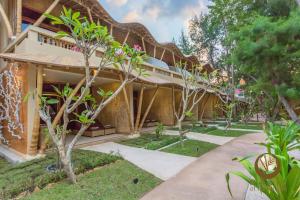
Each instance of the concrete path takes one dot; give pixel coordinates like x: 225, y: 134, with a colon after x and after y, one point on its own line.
x: 203, y: 137
x: 10, y: 155
x: 204, y: 179
x: 160, y: 164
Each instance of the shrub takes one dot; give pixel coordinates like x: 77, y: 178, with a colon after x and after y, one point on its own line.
x: 286, y: 184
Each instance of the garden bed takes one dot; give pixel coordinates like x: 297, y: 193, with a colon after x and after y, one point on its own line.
x: 33, y: 174
x: 247, y: 126
x: 150, y: 141
x: 192, y: 148
x: 120, y: 180
x: 4, y: 163
x: 197, y: 129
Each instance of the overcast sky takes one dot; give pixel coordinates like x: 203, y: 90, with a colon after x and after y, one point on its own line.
x: 164, y: 18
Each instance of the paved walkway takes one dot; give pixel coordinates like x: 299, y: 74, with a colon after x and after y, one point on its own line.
x: 203, y: 137
x: 204, y: 179
x: 162, y: 165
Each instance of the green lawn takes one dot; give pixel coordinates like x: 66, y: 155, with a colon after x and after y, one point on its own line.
x: 248, y: 126
x: 191, y: 148
x: 3, y: 163
x: 149, y: 141
x: 111, y: 182
x: 196, y: 129
x: 228, y: 133
x: 27, y: 176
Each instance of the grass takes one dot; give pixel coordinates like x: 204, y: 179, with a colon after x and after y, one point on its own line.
x: 30, y: 175
x: 197, y: 129
x: 248, y: 126
x: 192, y: 148
x: 149, y: 141
x: 228, y: 133
x: 111, y: 182
x: 4, y: 163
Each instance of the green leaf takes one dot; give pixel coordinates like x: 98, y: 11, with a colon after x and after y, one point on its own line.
x: 52, y: 101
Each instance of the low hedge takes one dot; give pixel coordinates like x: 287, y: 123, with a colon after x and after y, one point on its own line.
x: 32, y: 174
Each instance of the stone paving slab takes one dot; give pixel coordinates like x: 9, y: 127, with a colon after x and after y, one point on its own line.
x: 204, y: 179
x: 203, y: 137
x: 161, y: 164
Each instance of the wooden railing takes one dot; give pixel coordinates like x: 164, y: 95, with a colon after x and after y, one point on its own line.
x: 48, y: 37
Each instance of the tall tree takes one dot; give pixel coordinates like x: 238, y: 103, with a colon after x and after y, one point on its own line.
x: 268, y: 51
x: 185, y: 44
x: 88, y: 37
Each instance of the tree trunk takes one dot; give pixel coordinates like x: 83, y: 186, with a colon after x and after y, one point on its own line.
x: 289, y: 109
x: 67, y: 165
x: 181, y: 132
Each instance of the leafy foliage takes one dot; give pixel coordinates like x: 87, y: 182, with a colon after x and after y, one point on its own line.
x: 285, y: 185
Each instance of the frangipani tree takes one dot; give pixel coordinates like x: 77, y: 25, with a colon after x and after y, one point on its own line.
x: 195, y: 86
x: 88, y: 36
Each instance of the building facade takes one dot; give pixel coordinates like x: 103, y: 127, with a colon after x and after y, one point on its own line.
x: 27, y: 42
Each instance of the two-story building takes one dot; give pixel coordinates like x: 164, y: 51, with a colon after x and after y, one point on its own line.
x: 27, y: 41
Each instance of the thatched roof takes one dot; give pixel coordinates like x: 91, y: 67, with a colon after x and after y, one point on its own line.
x: 98, y: 12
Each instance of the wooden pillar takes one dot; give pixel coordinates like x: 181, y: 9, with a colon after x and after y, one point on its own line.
x: 125, y: 40
x: 174, y: 59
x: 173, y: 103
x: 127, y: 105
x: 48, y: 11
x: 154, y: 52
x: 19, y: 17
x: 36, y: 121
x: 162, y: 55
x: 111, y: 29
x: 148, y: 108
x: 139, y: 108
x: 6, y: 22
x: 144, y: 45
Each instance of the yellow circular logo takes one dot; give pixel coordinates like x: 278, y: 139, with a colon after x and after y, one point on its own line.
x: 267, y: 166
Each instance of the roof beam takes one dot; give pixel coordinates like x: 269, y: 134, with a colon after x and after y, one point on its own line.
x: 6, y: 22
x: 144, y: 45
x: 48, y: 11
x: 90, y: 14
x: 126, y: 38
x: 162, y: 55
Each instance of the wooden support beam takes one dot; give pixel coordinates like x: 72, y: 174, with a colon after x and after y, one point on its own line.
x: 127, y: 105
x: 6, y: 22
x: 19, y: 17
x: 63, y: 107
x: 173, y: 103
x: 144, y: 45
x: 148, y: 108
x: 90, y: 15
x: 36, y: 121
x: 111, y: 29
x: 174, y: 60
x: 154, y: 52
x: 138, y: 117
x: 125, y: 40
x: 48, y: 11
x: 163, y: 54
